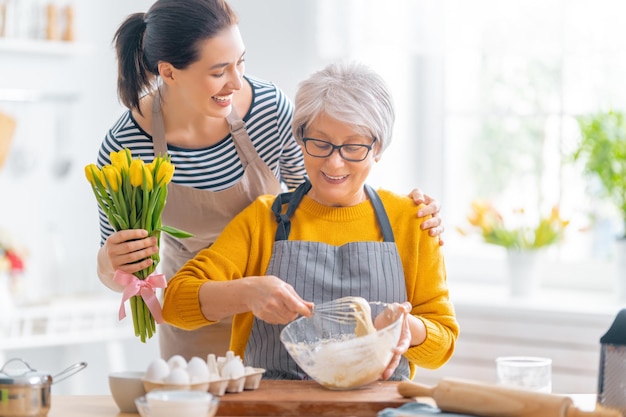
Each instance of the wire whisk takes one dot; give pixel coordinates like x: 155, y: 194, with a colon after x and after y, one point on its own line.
x: 349, y: 310
x: 342, y: 310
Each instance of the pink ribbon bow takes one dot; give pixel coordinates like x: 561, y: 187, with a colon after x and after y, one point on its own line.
x: 145, y: 288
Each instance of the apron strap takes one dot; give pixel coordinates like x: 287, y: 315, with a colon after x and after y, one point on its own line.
x: 243, y: 143
x: 294, y: 198
x: 381, y: 214
x: 158, y: 128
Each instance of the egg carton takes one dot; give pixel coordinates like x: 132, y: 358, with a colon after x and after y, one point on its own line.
x: 177, y: 374
x: 219, y: 387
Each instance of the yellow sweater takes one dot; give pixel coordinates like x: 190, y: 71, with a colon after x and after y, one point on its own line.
x: 245, y: 246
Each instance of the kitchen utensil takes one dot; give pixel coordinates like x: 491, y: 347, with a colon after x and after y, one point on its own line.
x: 343, y: 310
x: 612, y: 374
x: 486, y: 400
x: 330, y: 352
x: 24, y: 392
x: 163, y: 403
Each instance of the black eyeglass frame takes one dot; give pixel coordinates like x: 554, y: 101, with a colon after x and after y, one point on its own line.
x: 338, y: 147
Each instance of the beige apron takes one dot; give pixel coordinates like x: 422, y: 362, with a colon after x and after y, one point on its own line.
x: 205, y: 214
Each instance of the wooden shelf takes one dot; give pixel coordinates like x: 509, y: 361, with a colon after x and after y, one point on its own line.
x: 44, y: 48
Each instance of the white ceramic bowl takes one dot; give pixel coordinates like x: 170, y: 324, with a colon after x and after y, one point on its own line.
x: 179, y: 403
x: 330, y: 352
x: 125, y: 387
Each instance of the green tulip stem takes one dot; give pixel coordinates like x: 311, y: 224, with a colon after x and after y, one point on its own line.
x: 133, y: 308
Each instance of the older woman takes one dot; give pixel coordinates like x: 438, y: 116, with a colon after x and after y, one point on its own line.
x: 333, y: 236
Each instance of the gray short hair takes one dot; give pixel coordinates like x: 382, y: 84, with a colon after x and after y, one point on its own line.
x: 350, y: 92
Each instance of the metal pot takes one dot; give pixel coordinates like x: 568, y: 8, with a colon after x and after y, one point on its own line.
x: 24, y: 392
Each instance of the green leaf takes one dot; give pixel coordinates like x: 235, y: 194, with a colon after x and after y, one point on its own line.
x: 602, y: 149
x: 121, y: 221
x: 159, y: 202
x: 175, y: 232
x: 145, y: 201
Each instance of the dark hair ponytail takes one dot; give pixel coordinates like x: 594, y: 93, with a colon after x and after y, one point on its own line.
x: 133, y: 78
x: 170, y: 31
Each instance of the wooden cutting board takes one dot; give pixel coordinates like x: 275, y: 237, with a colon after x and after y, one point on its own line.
x: 308, y: 398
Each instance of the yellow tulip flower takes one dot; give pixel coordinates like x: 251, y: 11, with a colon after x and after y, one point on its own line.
x: 121, y: 160
x: 136, y: 172
x: 92, y: 172
x: 516, y: 232
x: 164, y: 172
x: 113, y: 177
x: 149, y: 177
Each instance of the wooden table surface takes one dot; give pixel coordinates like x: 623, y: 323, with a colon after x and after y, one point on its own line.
x: 272, y: 398
x: 275, y: 398
x: 84, y: 406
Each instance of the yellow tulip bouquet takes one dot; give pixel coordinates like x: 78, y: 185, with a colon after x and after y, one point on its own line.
x: 132, y: 194
x: 514, y: 232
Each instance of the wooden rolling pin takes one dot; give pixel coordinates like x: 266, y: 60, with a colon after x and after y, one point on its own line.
x: 481, y: 399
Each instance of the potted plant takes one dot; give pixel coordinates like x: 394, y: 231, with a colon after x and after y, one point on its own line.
x: 602, y: 150
x: 522, y: 236
x: 515, y: 231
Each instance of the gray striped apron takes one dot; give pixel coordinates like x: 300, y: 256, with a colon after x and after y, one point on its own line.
x: 205, y: 214
x: 372, y: 270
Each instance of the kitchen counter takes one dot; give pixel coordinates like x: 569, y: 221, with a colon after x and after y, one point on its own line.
x: 272, y: 398
x: 84, y: 406
x: 276, y: 398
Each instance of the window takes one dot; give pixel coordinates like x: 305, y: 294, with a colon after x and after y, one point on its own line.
x: 487, y: 94
x: 517, y: 75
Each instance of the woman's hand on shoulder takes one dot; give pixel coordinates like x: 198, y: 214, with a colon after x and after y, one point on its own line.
x: 434, y: 225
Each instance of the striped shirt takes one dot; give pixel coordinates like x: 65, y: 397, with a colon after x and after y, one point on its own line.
x: 218, y: 167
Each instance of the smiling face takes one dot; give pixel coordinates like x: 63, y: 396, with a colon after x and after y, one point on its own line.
x: 208, y: 84
x: 335, y: 181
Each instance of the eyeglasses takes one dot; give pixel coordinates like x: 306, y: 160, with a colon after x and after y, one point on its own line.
x: 350, y: 152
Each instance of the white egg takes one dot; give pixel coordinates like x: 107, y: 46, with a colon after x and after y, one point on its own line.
x: 198, y: 370
x: 177, y: 376
x: 177, y: 361
x: 157, y: 371
x: 233, y: 368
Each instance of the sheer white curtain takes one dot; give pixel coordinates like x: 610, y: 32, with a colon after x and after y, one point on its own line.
x: 487, y: 93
